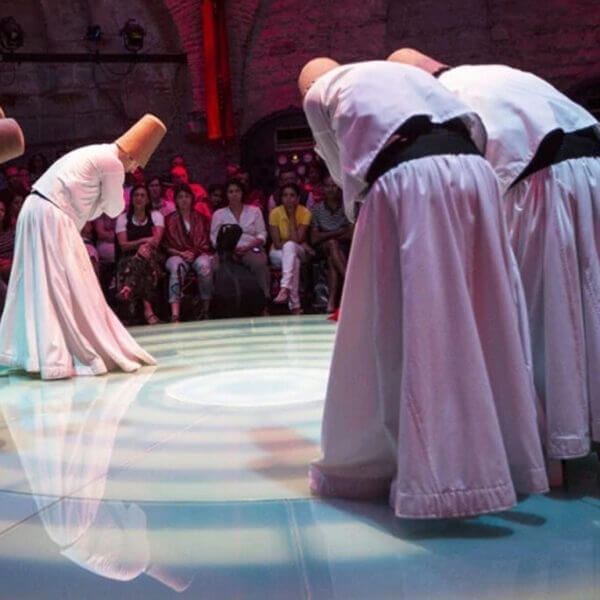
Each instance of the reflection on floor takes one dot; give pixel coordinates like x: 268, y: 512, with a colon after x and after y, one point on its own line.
x: 189, y: 481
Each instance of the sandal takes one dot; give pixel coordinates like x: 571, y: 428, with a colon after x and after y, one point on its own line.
x: 152, y: 319
x: 174, y: 318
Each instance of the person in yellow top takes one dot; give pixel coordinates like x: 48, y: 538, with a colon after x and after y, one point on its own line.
x: 288, y: 224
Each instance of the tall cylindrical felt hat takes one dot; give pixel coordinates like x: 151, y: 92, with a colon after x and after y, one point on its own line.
x: 312, y: 70
x: 141, y: 140
x: 12, y: 141
x: 410, y: 56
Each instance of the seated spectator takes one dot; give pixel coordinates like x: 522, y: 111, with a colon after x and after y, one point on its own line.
x: 216, y: 196
x: 331, y: 233
x: 7, y: 241
x: 25, y: 179
x: 38, y: 165
x: 158, y: 201
x: 253, y: 196
x: 104, y: 227
x: 179, y: 174
x: 139, y: 267
x: 288, y: 175
x: 7, y: 245
x: 236, y: 291
x: 314, y: 185
x: 131, y: 180
x: 178, y: 161
x: 288, y: 224
x: 251, y: 245
x: 13, y: 180
x: 88, y: 234
x: 16, y: 199
x: 187, y: 241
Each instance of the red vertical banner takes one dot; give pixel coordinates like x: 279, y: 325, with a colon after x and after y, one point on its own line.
x: 213, y: 114
x: 224, y: 71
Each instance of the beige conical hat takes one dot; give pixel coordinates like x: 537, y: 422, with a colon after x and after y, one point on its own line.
x: 410, y: 56
x: 312, y: 70
x: 12, y: 141
x: 141, y: 140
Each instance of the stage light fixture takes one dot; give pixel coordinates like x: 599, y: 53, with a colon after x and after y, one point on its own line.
x: 93, y: 33
x: 11, y: 34
x: 133, y: 36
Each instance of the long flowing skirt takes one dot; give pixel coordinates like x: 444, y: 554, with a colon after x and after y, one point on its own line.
x: 553, y: 218
x: 430, y: 397
x: 56, y: 320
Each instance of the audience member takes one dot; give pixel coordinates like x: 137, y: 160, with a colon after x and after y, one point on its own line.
x: 178, y: 161
x: 216, y: 197
x: 38, y: 164
x: 158, y: 201
x: 314, y: 185
x: 139, y: 268
x: 88, y: 234
x: 179, y: 174
x: 7, y: 241
x: 288, y: 224
x: 104, y: 226
x: 16, y: 198
x: 251, y: 245
x: 288, y: 175
x: 254, y: 196
x: 236, y: 291
x: 25, y: 179
x: 187, y: 241
x: 132, y: 180
x: 331, y: 234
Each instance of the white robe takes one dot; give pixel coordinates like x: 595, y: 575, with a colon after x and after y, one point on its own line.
x: 554, y: 223
x: 430, y: 397
x: 56, y: 320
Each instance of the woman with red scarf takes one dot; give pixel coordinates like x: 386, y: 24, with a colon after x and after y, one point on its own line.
x: 187, y: 240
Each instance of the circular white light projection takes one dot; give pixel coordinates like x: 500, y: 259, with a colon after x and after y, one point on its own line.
x: 253, y: 387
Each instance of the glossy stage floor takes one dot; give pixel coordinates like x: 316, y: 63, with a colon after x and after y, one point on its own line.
x: 189, y: 481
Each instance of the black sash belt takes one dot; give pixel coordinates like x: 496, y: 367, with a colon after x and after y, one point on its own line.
x: 419, y: 138
x: 558, y: 146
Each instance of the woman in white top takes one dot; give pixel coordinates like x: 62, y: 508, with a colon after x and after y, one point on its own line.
x: 139, y: 269
x: 251, y: 246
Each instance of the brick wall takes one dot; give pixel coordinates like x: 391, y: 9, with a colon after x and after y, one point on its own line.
x: 271, y: 39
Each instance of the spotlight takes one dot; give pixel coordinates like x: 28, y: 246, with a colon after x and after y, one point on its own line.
x: 11, y: 34
x: 93, y: 34
x: 133, y: 36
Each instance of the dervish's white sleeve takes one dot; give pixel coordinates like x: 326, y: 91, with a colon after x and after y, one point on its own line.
x: 325, y: 143
x: 112, y: 176
x: 326, y: 146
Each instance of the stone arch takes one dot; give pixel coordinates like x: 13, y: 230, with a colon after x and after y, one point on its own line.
x: 258, y: 145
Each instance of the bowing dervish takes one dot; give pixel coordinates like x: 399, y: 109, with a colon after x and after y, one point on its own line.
x: 430, y: 399
x: 56, y: 321
x: 545, y: 150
